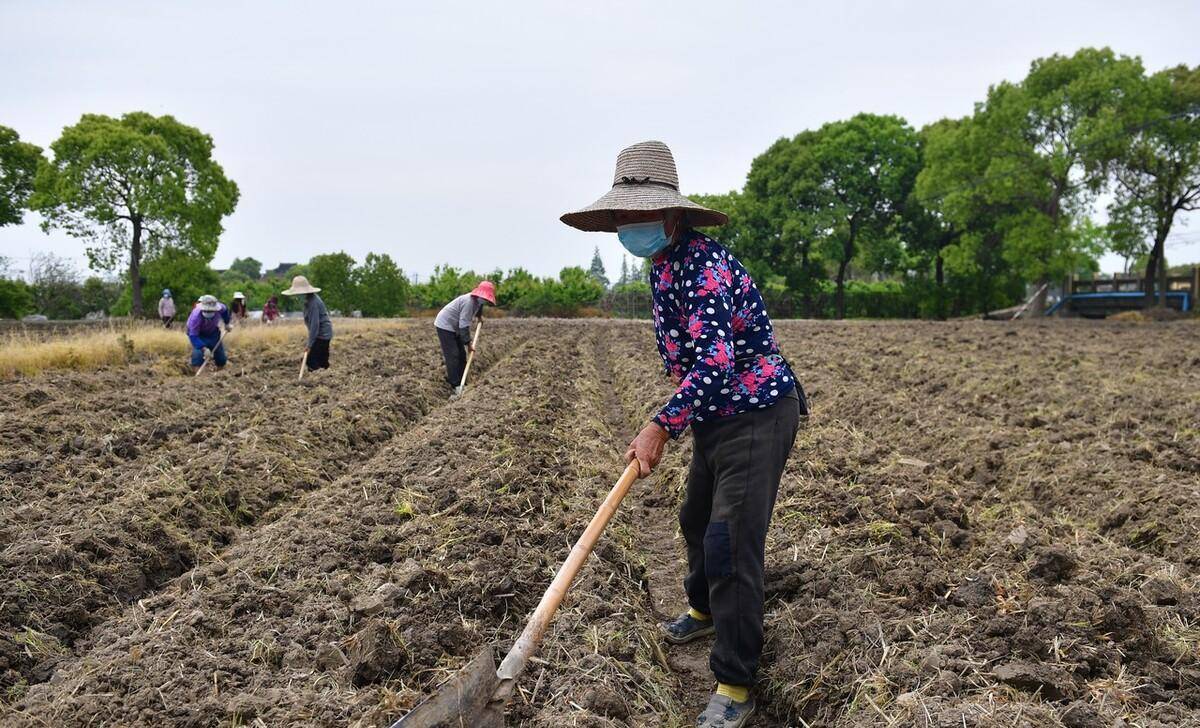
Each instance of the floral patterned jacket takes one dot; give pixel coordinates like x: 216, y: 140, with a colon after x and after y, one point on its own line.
x: 714, y: 335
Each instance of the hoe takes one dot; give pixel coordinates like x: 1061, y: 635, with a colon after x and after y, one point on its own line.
x: 466, y: 370
x: 209, y: 358
x: 476, y: 696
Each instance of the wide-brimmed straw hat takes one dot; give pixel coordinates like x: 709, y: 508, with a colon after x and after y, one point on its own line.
x: 300, y: 285
x: 645, y: 181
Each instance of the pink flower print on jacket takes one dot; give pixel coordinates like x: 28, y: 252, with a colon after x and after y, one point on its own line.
x: 721, y: 348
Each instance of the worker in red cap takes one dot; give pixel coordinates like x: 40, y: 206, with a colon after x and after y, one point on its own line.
x: 453, y: 324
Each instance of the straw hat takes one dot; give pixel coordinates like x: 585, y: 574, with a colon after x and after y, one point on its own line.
x: 209, y: 303
x: 300, y: 285
x: 239, y: 294
x: 645, y: 181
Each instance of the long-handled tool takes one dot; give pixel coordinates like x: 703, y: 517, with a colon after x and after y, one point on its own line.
x: 477, y: 694
x: 303, y: 363
x: 213, y: 353
x: 474, y: 342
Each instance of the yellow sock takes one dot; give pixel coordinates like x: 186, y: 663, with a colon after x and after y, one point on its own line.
x: 701, y: 616
x: 737, y: 693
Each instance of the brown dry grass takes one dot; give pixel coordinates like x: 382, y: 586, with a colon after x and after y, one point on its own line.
x: 25, y: 354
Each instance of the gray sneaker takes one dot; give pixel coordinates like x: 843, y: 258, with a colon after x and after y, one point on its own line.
x: 723, y: 712
x: 685, y: 628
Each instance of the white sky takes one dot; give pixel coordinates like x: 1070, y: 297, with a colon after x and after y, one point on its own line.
x: 459, y: 132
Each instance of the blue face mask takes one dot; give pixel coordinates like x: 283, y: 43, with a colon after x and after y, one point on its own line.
x: 643, y: 239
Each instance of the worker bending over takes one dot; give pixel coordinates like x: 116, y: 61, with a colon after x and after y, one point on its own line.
x: 453, y: 324
x: 204, y: 331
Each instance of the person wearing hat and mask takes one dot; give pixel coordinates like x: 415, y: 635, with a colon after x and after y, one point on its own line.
x: 237, y: 308
x: 453, y: 324
x: 166, y: 308
x: 734, y: 390
x: 316, y: 318
x: 204, y: 330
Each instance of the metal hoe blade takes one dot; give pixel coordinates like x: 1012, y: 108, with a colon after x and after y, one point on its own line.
x: 462, y: 701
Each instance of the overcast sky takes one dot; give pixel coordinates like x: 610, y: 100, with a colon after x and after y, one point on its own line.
x: 459, y: 132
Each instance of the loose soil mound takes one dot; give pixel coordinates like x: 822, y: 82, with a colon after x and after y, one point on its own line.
x: 981, y: 525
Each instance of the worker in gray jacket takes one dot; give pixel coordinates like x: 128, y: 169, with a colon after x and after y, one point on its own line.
x: 453, y: 324
x: 316, y: 318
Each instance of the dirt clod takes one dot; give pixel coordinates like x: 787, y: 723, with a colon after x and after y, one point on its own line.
x: 1051, y: 683
x: 1052, y: 564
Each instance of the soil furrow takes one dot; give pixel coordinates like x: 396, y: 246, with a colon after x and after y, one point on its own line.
x: 67, y: 572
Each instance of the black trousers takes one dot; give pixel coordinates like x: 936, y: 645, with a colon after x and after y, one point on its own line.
x: 318, y: 355
x: 455, y: 355
x: 732, y: 483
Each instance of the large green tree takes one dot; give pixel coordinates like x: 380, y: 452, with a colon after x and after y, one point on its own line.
x: 775, y: 224
x: 248, y: 267
x: 1156, y: 167
x: 382, y: 288
x: 963, y: 227
x: 333, y: 273
x: 131, y: 186
x: 1037, y: 159
x: 18, y: 167
x: 865, y: 169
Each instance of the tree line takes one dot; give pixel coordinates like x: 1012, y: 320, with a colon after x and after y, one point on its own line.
x: 870, y: 216
x: 375, y: 287
x: 866, y: 216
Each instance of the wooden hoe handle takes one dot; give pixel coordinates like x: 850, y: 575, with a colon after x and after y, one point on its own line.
x: 474, y: 341
x: 303, y: 362
x: 212, y: 354
x: 527, y: 644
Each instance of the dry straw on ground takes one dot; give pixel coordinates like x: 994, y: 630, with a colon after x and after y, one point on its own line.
x: 28, y: 354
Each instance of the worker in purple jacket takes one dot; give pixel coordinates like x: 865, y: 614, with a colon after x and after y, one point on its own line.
x: 204, y: 330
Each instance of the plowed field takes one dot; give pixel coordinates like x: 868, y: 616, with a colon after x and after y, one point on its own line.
x: 980, y: 525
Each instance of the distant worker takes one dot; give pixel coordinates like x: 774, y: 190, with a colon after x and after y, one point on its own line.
x: 204, y: 330
x: 453, y: 324
x: 316, y: 318
x: 238, y: 307
x: 271, y: 310
x: 166, y: 308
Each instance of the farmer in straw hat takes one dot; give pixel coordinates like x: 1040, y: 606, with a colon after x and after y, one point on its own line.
x: 453, y: 324
x: 736, y: 392
x: 204, y: 330
x: 316, y: 317
x: 237, y: 308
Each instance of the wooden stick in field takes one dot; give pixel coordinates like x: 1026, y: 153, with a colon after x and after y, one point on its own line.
x: 463, y: 384
x: 212, y: 353
x: 303, y: 362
